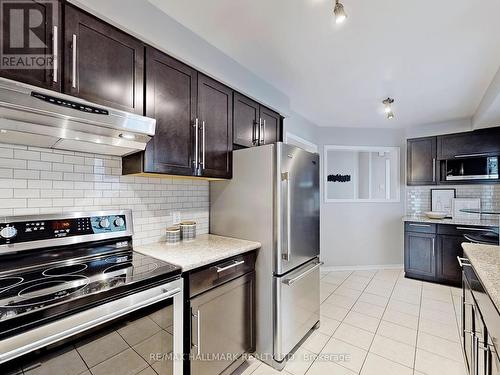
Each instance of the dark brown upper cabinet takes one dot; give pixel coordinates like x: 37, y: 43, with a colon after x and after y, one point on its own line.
x: 46, y: 41
x: 193, y: 122
x: 421, y: 161
x: 215, y: 121
x: 270, y: 126
x: 101, y: 63
x: 246, y: 121
x: 254, y: 124
x: 171, y: 100
x: 483, y: 142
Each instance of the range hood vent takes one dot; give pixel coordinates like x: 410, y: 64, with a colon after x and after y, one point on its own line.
x: 37, y: 117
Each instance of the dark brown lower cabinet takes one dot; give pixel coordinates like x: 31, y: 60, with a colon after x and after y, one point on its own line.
x: 420, y: 260
x: 431, y: 250
x: 447, y: 267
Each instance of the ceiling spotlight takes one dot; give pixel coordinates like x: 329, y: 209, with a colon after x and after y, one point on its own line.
x: 339, y: 11
x: 388, y: 107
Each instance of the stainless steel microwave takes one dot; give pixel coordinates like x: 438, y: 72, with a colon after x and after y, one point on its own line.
x: 472, y: 168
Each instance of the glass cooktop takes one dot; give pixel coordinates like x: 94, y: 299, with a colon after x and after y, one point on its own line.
x: 40, y: 293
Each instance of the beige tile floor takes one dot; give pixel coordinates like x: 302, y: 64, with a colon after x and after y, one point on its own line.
x: 379, y: 323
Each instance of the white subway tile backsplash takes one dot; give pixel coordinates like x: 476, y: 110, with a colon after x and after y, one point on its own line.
x: 28, y: 155
x: 418, y: 198
x: 44, y: 181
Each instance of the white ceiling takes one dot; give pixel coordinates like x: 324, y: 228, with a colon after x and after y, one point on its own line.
x: 436, y: 58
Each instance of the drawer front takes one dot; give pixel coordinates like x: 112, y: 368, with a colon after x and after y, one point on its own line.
x: 221, y: 272
x: 420, y: 227
x: 297, y: 307
x: 460, y: 230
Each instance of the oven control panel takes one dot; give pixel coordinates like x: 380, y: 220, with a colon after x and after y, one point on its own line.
x: 34, y: 230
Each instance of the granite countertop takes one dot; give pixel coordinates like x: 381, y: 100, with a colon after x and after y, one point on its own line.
x: 486, y: 262
x: 205, y: 249
x: 480, y: 222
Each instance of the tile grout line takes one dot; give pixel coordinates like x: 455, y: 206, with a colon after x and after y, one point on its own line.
x: 418, y: 328
x: 331, y: 336
x: 378, y: 326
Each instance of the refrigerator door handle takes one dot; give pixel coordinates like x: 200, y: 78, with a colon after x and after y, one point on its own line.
x: 286, y: 178
x: 302, y: 275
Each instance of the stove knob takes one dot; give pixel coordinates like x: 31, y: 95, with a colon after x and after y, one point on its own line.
x: 104, y: 223
x: 8, y: 232
x: 119, y: 222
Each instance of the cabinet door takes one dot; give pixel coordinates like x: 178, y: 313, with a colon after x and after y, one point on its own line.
x: 222, y: 322
x: 448, y: 269
x: 245, y: 122
x: 171, y: 100
x: 215, y: 113
x: 480, y: 142
x: 44, y: 41
x: 269, y: 127
x: 420, y: 254
x: 106, y: 67
x: 421, y: 161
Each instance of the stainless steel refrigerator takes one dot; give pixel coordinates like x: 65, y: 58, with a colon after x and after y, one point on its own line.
x: 273, y: 198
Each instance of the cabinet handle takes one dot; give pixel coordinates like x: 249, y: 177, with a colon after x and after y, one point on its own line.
x: 470, y: 155
x: 260, y: 131
x: 264, y: 132
x: 235, y: 264
x: 433, y: 247
x: 73, y: 83
x: 476, y: 229
x: 434, y: 170
x: 255, y: 140
x: 55, y: 61
x: 198, y: 332
x: 203, y: 144
x: 196, y: 142
x: 419, y: 225
x: 462, y: 264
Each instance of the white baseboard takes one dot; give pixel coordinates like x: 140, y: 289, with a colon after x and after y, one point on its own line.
x: 362, y: 268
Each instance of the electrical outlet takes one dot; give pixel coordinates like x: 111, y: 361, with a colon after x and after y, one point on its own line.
x: 176, y: 217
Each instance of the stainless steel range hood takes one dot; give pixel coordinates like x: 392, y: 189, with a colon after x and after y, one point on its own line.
x: 37, y: 117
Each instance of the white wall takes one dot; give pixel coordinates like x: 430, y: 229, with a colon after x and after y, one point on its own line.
x: 439, y: 128
x: 362, y: 234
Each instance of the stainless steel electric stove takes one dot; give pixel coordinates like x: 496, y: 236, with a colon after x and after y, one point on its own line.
x: 64, y: 275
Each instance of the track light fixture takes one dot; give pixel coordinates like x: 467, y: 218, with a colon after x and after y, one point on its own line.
x: 339, y: 11
x: 388, y: 107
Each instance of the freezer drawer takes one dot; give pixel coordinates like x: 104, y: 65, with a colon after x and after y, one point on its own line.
x: 297, y: 307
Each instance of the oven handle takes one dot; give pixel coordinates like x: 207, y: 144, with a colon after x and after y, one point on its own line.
x: 166, y: 294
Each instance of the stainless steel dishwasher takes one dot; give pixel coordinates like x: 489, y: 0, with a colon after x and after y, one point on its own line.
x: 221, y: 304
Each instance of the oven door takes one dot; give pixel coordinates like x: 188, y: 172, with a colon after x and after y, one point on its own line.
x: 128, y: 335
